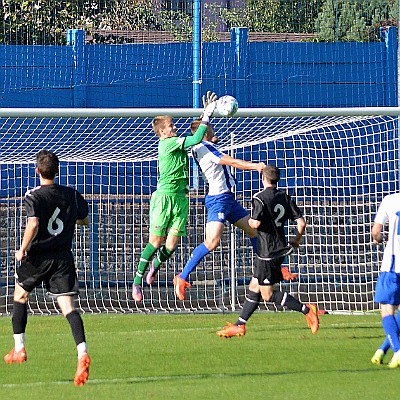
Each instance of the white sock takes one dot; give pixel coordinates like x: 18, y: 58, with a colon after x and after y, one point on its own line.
x: 19, y: 341
x: 82, y: 349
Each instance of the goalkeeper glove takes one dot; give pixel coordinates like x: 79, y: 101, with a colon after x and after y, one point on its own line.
x: 209, y: 111
x: 209, y: 98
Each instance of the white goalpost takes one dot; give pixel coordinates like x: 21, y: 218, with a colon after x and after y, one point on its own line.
x: 337, y: 163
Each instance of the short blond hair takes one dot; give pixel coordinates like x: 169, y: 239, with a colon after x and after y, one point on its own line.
x: 160, y: 122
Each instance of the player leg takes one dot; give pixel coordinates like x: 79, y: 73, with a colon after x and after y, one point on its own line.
x: 273, y: 275
x: 387, y: 294
x: 160, y: 211
x: 392, y: 331
x: 62, y: 284
x: 253, y: 299
x: 214, y: 231
x: 67, y: 306
x: 164, y: 253
x: 380, y: 353
x: 19, y: 322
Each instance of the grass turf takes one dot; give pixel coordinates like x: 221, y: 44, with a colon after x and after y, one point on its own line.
x: 179, y: 356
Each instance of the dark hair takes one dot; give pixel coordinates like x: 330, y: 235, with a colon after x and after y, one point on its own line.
x: 47, y: 164
x: 272, y: 174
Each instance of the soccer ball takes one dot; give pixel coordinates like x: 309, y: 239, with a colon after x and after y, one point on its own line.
x: 227, y: 106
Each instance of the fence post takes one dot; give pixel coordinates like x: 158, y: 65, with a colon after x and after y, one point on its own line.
x: 391, y: 65
x: 239, y: 39
x: 76, y: 39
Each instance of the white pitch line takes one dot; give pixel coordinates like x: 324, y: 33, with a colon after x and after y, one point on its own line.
x: 133, y: 379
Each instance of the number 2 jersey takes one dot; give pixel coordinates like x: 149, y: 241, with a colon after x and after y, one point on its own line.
x: 57, y: 209
x: 273, y: 208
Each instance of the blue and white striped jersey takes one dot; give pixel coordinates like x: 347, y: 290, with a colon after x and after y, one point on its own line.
x: 389, y: 211
x: 218, y: 177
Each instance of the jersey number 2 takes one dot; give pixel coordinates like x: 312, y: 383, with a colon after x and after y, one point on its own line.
x: 281, y: 210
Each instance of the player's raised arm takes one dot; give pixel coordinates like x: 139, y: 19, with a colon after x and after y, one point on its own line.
x: 209, y: 102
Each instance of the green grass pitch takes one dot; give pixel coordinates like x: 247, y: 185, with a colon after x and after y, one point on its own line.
x: 179, y: 357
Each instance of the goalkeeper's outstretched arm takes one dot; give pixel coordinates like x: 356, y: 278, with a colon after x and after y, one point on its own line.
x: 210, y: 103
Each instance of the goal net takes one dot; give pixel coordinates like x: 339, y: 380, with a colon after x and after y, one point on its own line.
x: 338, y: 167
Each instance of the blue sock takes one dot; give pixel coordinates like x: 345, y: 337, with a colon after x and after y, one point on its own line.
x: 254, y: 243
x: 392, y: 331
x: 385, y: 346
x: 197, y: 255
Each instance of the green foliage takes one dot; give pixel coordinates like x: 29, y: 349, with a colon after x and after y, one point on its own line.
x: 130, y: 15
x: 274, y: 15
x: 355, y: 20
x: 45, y: 21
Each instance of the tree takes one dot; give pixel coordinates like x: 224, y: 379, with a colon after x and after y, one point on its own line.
x: 46, y: 21
x: 355, y: 20
x: 293, y: 16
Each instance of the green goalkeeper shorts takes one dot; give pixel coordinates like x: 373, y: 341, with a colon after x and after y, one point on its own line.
x: 168, y: 214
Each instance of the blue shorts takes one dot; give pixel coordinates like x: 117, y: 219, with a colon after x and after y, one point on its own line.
x: 224, y: 207
x: 387, y: 289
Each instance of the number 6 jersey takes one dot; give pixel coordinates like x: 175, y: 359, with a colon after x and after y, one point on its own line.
x: 57, y: 209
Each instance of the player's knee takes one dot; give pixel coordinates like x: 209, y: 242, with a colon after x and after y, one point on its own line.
x: 211, y: 244
x: 20, y: 295
x: 266, y: 297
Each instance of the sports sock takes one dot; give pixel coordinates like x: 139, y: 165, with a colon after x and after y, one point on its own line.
x: 82, y: 349
x: 392, y: 331
x: 19, y: 341
x: 19, y: 317
x: 197, y: 255
x: 76, y: 323
x: 385, y: 346
x: 250, y: 305
x: 145, y: 258
x: 254, y: 243
x: 162, y: 255
x: 287, y: 300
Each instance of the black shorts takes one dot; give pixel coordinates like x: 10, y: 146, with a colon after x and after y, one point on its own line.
x: 58, y: 274
x: 268, y: 272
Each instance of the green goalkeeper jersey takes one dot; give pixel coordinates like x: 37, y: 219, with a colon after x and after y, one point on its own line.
x: 173, y: 162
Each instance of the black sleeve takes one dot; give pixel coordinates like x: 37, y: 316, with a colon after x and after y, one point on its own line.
x: 81, y: 205
x: 295, y: 210
x: 31, y: 206
x: 257, y: 208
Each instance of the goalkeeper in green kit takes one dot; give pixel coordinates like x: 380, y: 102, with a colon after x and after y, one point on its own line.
x: 169, y: 204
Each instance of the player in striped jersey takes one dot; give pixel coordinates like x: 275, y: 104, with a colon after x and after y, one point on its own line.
x: 220, y: 201
x: 387, y: 290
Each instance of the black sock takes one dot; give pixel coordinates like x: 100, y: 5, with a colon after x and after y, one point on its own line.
x: 19, y: 317
x: 285, y: 299
x: 250, y: 305
x: 76, y: 323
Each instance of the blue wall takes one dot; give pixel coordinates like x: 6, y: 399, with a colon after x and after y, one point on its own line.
x: 160, y: 75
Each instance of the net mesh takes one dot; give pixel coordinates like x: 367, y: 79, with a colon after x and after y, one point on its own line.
x: 337, y: 168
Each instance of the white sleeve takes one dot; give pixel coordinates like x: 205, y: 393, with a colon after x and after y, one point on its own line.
x: 382, y: 216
